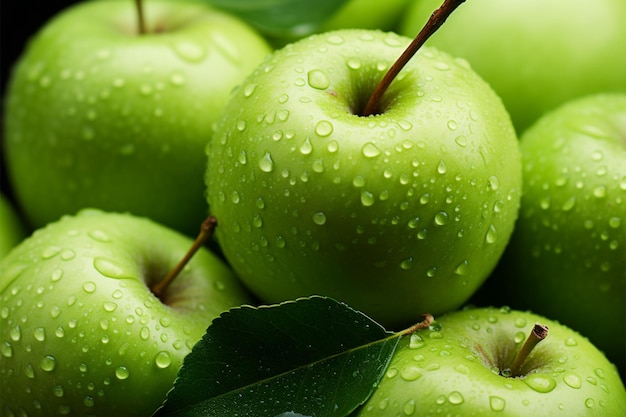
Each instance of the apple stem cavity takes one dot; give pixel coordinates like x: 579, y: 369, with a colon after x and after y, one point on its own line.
x: 537, y: 334
x: 206, y: 231
x: 428, y: 319
x: 141, y: 22
x: 437, y: 18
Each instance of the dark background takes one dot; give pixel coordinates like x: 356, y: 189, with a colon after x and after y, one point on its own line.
x: 19, y: 20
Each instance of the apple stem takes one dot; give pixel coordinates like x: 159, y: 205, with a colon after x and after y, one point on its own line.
x: 428, y: 320
x: 141, y: 23
x: 537, y: 334
x: 434, y: 22
x: 206, y: 231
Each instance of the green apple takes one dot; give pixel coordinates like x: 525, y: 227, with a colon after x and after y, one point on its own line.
x: 402, y: 211
x: 12, y: 230
x: 463, y: 366
x: 535, y: 54
x: 98, y: 115
x: 81, y: 333
x: 567, y: 257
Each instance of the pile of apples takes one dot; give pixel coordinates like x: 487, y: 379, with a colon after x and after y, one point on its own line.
x: 485, y: 186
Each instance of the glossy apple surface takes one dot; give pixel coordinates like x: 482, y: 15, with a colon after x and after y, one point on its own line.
x: 567, y: 257
x: 80, y: 331
x: 404, y: 211
x: 535, y: 54
x: 100, y: 116
x: 458, y: 367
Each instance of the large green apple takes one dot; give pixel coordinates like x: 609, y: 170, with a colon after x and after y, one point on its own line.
x: 404, y: 211
x: 12, y: 230
x: 80, y: 331
x: 567, y: 257
x: 463, y: 366
x: 536, y: 54
x: 98, y: 115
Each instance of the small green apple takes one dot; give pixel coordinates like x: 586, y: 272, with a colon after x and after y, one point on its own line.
x: 403, y: 210
x: 12, y: 230
x: 567, y: 257
x: 463, y: 365
x: 81, y: 333
x: 535, y: 54
x: 98, y: 115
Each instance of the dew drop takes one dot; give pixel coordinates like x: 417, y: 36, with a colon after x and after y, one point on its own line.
x: 493, y: 183
x: 48, y: 363
x: 600, y: 191
x: 369, y: 150
x: 249, y: 89
x: 89, y: 287
x: 318, y: 79
x: 441, y: 167
x: 367, y: 198
x: 540, y: 383
x: 410, y: 373
x: 234, y: 197
x: 306, y: 148
x: 108, y: 268
x: 441, y: 218
x: 491, y: 235
x: 497, y: 403
x: 189, y: 51
x: 122, y: 373
x: 615, y: 222
x: 29, y: 371
x: 407, y: 263
x: 15, y: 333
x: 462, y: 268
x: 6, y: 349
x: 461, y: 141
x: 573, y: 380
x: 323, y: 128
x: 455, y: 397
x: 163, y: 360
x: 266, y: 164
x: 40, y: 334
x: 319, y: 218
x: 144, y: 333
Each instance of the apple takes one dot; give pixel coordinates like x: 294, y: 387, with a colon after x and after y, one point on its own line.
x: 98, y: 115
x: 567, y: 257
x: 81, y: 333
x: 465, y: 365
x: 535, y: 54
x: 12, y: 231
x: 406, y: 209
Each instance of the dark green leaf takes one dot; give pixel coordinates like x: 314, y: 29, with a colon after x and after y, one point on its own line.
x: 282, y: 18
x: 312, y: 357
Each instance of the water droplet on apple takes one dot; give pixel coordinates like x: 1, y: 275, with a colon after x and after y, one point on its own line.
x: 323, y: 128
x: 89, y: 287
x: 455, y: 397
x: 306, y: 148
x: 405, y: 125
x: 570, y: 341
x: 370, y: 150
x: 50, y: 252
x: 318, y: 79
x: 48, y: 363
x: 144, y: 333
x: 462, y: 268
x: 407, y: 263
x: 573, y: 380
x: 235, y: 198
x: 354, y: 63
x: 335, y: 39
x: 109, y: 307
x: 108, y: 268
x: 441, y: 167
x: 599, y: 191
x: 249, y: 89
x: 266, y: 164
x: 590, y: 403
x: 189, y: 51
x: 452, y: 125
x: 410, y: 373
x: 40, y: 334
x: 122, y: 372
x: 332, y: 146
x: 431, y: 272
x: 367, y: 198
x: 497, y: 403
x: 491, y: 235
x: 441, y: 218
x: 15, y: 333
x: 6, y: 349
x: 163, y: 359
x: 319, y: 218
x: 540, y: 383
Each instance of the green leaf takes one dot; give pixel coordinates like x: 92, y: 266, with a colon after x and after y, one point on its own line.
x: 308, y: 357
x: 282, y: 18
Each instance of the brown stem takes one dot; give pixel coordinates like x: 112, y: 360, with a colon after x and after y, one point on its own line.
x: 434, y: 22
x: 537, y: 334
x: 428, y: 320
x: 141, y: 23
x: 206, y: 231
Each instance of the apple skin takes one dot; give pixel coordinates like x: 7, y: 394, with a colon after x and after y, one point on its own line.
x: 567, y: 256
x: 12, y: 230
x: 80, y: 331
x: 441, y: 371
x: 402, y: 211
x: 532, y: 52
x: 118, y: 121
